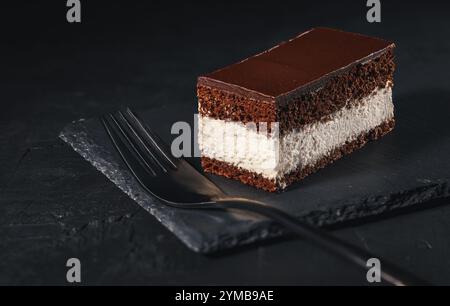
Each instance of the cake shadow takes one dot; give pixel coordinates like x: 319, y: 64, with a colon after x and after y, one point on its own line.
x: 421, y: 123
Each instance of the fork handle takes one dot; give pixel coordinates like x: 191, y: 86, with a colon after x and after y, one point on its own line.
x: 389, y: 273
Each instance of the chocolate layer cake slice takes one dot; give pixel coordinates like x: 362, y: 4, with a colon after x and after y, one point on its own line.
x: 278, y: 116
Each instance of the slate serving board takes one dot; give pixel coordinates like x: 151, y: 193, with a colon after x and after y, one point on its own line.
x: 409, y: 166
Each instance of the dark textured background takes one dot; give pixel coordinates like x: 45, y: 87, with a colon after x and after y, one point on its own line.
x: 54, y: 205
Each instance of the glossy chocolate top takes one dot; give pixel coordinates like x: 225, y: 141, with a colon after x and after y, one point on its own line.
x: 296, y: 64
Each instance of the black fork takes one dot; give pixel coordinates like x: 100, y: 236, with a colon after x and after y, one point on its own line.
x: 176, y: 183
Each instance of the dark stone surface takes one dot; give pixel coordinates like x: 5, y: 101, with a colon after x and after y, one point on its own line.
x: 391, y: 173
x: 54, y: 205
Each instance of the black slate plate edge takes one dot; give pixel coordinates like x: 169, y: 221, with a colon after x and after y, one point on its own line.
x: 100, y: 166
x: 373, y: 206
x: 348, y: 211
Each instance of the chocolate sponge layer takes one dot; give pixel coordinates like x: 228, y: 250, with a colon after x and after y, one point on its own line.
x: 306, y: 105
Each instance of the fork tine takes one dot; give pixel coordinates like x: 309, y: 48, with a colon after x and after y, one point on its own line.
x: 121, y: 140
x: 138, y: 141
x: 151, y: 138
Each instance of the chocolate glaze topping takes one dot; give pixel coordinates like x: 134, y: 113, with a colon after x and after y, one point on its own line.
x: 296, y: 65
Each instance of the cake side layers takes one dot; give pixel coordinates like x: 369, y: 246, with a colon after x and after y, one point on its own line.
x: 273, y: 156
x: 254, y: 179
x: 303, y: 107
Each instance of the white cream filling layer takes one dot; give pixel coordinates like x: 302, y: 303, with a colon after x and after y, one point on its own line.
x: 242, y: 146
